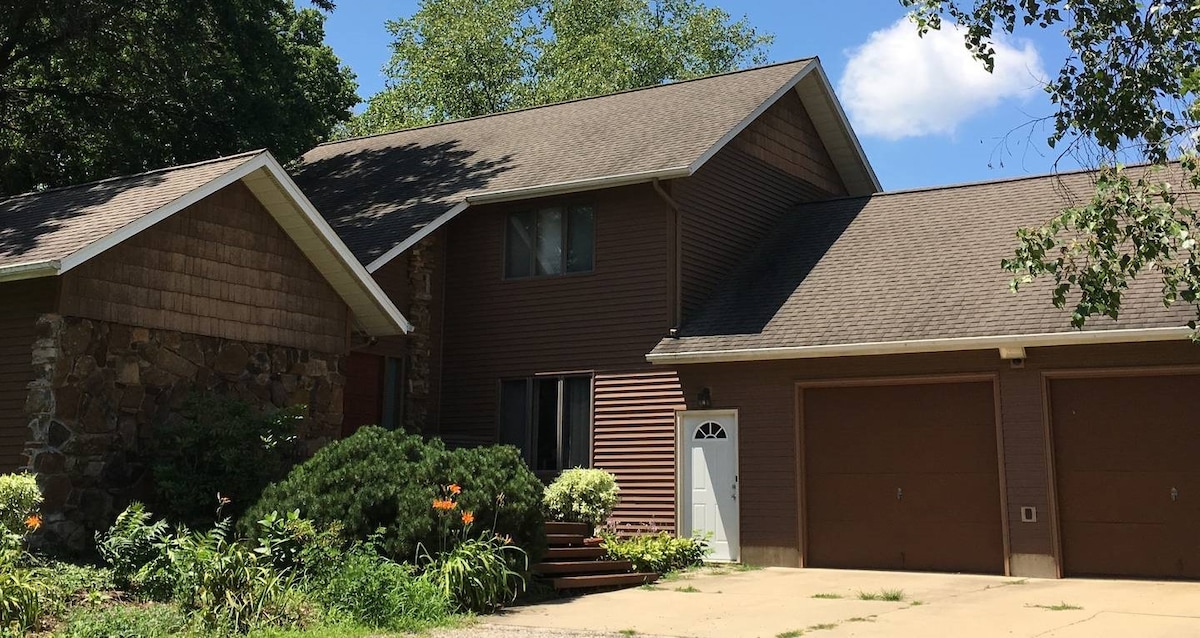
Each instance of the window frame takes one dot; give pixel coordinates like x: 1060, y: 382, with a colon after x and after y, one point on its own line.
x: 529, y: 435
x: 567, y: 208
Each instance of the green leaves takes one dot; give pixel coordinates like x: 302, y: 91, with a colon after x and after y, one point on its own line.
x: 1135, y: 224
x: 92, y: 89
x: 462, y: 58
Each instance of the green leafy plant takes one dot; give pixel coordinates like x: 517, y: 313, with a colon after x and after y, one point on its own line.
x: 582, y: 496
x: 149, y: 621
x: 21, y: 601
x: 135, y: 547
x: 20, y: 499
x: 371, y: 590
x: 353, y: 483
x: 299, y: 545
x: 478, y: 575
x: 220, y: 450
x: 659, y: 552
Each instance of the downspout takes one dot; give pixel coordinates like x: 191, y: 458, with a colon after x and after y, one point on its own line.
x: 677, y: 257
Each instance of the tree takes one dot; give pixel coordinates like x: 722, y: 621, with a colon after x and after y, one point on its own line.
x: 462, y: 58
x: 1128, y: 87
x: 91, y: 88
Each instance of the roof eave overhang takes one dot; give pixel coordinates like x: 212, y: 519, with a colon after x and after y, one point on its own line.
x: 30, y: 270
x: 1009, y: 346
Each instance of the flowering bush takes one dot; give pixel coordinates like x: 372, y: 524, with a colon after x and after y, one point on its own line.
x: 19, y: 502
x: 582, y: 496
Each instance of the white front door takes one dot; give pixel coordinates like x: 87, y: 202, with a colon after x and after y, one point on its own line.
x: 710, y: 477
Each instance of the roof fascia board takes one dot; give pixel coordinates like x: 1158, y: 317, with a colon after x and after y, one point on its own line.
x: 29, y: 270
x: 517, y: 194
x: 844, y: 122
x: 334, y: 243
x: 1134, y: 335
x: 146, y: 221
x: 754, y: 115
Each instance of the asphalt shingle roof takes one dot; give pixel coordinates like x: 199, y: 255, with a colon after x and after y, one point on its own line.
x: 378, y: 191
x: 903, y: 266
x: 52, y: 224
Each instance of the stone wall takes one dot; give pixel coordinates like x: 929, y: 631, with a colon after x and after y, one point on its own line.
x: 101, y: 387
x: 422, y: 260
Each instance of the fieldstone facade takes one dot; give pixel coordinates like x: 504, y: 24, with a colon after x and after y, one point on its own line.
x: 422, y: 260
x: 101, y: 387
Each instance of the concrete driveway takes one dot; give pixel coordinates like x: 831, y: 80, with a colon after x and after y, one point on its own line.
x: 827, y: 604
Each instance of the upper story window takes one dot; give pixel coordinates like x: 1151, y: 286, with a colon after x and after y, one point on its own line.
x: 549, y: 241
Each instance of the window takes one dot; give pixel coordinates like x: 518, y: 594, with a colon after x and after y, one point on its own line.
x: 394, y: 396
x: 549, y: 419
x: 550, y: 241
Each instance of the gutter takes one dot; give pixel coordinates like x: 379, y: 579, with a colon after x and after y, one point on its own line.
x: 1011, y: 346
x: 30, y: 270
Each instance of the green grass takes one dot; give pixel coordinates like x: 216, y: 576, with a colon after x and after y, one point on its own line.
x: 887, y: 595
x: 821, y: 627
x: 827, y: 596
x: 861, y: 619
x: 1062, y: 606
x: 1021, y: 581
x: 651, y: 587
x: 628, y: 632
x: 795, y: 633
x: 688, y: 590
x: 916, y: 603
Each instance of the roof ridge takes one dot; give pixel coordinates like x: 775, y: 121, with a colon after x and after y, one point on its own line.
x: 564, y: 102
x: 133, y: 175
x: 972, y: 184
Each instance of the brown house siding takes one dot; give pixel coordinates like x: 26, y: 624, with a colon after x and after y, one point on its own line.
x: 222, y: 268
x: 21, y: 303
x: 764, y: 394
x: 600, y: 321
x: 735, y: 200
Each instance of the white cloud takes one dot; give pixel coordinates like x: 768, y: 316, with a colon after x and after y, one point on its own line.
x: 900, y: 85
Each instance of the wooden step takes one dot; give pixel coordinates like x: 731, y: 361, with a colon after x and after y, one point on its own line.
x: 564, y: 540
x: 602, y: 580
x: 559, y: 527
x: 584, y: 567
x: 569, y: 553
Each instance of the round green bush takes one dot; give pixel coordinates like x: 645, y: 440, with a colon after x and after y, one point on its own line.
x: 385, y: 482
x: 582, y: 496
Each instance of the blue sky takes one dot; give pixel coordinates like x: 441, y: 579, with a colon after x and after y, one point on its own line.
x: 925, y: 114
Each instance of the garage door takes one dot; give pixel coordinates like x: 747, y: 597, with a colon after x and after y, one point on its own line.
x: 903, y: 477
x: 1127, y: 459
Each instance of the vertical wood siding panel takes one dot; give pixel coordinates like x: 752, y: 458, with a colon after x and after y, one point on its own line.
x: 734, y: 201
x: 634, y: 438
x: 223, y: 258
x: 21, y: 303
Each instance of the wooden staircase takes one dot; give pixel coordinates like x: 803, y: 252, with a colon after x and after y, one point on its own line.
x: 570, y: 563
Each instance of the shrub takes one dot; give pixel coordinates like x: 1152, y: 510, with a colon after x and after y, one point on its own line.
x: 384, y: 481
x: 21, y: 601
x: 374, y: 591
x: 219, y: 445
x: 135, y: 547
x: 659, y: 552
x: 19, y: 500
x: 298, y: 545
x: 477, y: 573
x: 149, y: 621
x: 582, y: 496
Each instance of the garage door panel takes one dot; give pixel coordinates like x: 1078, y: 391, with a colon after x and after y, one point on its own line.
x: 943, y: 498
x: 1127, y: 472
x: 935, y: 443
x: 849, y: 544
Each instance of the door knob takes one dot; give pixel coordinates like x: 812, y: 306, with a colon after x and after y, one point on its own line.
x: 1174, y: 495
x: 899, y: 494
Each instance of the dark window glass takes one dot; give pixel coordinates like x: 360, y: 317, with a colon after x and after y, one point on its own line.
x: 580, y: 240
x: 393, y: 393
x: 546, y: 428
x: 518, y: 246
x: 549, y: 242
x: 514, y: 415
x: 577, y: 421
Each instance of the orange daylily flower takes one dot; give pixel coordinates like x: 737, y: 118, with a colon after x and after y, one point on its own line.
x: 468, y: 518
x: 454, y: 488
x: 444, y: 504
x: 33, y: 522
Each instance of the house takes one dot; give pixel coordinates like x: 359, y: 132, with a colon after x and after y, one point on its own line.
x: 701, y: 288
x: 128, y: 293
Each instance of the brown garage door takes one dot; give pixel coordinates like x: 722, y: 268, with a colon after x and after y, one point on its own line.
x: 1127, y: 459
x: 903, y: 477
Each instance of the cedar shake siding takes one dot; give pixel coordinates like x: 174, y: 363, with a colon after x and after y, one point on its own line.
x: 765, y: 395
x: 740, y: 195
x: 22, y: 303
x: 222, y: 268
